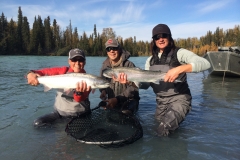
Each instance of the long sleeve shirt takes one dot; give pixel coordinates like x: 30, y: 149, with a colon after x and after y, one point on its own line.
x: 185, y: 56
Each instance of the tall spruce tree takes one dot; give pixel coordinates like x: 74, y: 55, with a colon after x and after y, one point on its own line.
x: 48, y: 37
x: 40, y: 36
x: 75, y: 38
x: 3, y: 34
x: 12, y: 42
x: 19, y: 31
x: 3, y: 27
x: 34, y: 41
x: 68, y: 36
x: 56, y: 35
x: 25, y: 35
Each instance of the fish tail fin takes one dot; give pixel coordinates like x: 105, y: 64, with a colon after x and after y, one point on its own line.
x: 156, y: 81
x: 115, y: 75
x: 136, y: 83
x: 67, y: 90
x: 177, y: 81
x: 46, y: 88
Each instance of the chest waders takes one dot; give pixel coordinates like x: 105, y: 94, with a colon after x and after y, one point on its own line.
x: 173, y: 99
x: 65, y: 106
x: 130, y: 104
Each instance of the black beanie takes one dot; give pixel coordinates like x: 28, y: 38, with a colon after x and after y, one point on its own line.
x: 161, y: 28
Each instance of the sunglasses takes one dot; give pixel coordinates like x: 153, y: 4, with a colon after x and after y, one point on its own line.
x: 78, y: 59
x: 162, y: 35
x: 111, y: 48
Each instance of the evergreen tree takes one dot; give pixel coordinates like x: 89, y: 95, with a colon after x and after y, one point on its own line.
x: 85, y: 43
x: 217, y: 39
x: 34, y: 41
x: 134, y: 49
x: 3, y: 34
x: 12, y: 42
x: 91, y: 46
x: 17, y: 38
x: 101, y: 50
x: 19, y: 31
x: 95, y: 31
x: 40, y: 35
x: 25, y: 35
x: 48, y: 35
x: 3, y: 27
x: 75, y: 38
x: 95, y: 41
x: 56, y: 35
x: 68, y: 36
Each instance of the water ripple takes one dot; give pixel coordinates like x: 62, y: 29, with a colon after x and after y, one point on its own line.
x: 210, y: 131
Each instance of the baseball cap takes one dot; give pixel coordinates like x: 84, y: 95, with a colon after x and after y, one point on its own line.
x: 161, y: 28
x: 76, y: 52
x: 111, y: 43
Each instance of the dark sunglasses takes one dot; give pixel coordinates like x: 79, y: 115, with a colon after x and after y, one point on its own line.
x: 111, y: 48
x: 78, y: 59
x: 162, y: 35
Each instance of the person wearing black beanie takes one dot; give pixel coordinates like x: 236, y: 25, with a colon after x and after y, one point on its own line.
x: 173, y: 99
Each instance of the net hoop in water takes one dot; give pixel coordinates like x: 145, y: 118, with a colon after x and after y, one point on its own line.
x: 107, y: 128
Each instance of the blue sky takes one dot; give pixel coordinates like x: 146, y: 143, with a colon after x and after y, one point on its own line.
x: 128, y: 18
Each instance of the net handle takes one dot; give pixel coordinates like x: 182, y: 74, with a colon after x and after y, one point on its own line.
x: 100, y: 104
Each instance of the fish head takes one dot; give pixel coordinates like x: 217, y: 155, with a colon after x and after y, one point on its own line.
x: 109, y: 73
x: 100, y: 83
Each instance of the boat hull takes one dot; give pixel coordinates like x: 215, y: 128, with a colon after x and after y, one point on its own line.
x: 224, y: 63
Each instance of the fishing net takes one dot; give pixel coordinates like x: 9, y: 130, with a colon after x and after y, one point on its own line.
x: 107, y: 128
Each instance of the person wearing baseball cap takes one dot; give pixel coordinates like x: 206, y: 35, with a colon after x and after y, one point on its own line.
x: 70, y: 103
x: 123, y: 97
x: 76, y: 53
x: 173, y: 99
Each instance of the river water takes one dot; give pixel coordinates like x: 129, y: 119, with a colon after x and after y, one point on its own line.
x: 210, y: 131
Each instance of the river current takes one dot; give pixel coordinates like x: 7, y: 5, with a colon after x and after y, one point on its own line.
x: 210, y: 131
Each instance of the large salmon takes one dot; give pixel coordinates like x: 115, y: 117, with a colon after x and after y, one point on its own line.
x: 69, y: 81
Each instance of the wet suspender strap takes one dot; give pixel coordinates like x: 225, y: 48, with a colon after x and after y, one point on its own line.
x: 169, y: 57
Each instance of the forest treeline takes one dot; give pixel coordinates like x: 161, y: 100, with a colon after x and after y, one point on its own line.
x: 17, y: 38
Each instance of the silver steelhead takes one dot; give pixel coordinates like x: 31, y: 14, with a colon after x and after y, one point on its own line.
x: 69, y: 81
x: 136, y: 75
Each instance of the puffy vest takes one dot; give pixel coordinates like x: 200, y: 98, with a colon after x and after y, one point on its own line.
x: 168, y: 61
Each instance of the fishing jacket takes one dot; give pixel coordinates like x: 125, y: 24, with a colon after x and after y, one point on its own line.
x: 67, y: 103
x: 122, y: 92
x: 168, y: 61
